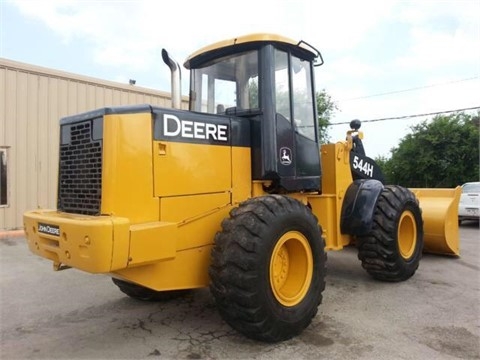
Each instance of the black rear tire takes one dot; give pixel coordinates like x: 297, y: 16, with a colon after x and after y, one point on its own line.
x: 145, y: 294
x: 393, y: 249
x: 268, y: 268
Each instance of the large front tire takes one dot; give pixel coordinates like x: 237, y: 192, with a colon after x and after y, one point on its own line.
x: 393, y: 249
x: 268, y: 268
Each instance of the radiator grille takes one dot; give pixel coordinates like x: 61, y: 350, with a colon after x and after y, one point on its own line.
x: 80, y: 172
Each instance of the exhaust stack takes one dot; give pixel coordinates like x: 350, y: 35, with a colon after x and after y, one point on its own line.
x: 176, y: 79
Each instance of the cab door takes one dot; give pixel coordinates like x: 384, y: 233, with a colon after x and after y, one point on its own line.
x: 298, y: 156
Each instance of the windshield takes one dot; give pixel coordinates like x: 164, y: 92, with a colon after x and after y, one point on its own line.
x: 229, y: 82
x: 471, y: 188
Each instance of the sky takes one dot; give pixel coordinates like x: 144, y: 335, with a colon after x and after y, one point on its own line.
x: 383, y: 59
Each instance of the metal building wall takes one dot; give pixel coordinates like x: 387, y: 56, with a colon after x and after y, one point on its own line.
x: 32, y: 100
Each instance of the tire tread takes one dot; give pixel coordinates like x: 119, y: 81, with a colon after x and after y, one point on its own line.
x: 378, y: 251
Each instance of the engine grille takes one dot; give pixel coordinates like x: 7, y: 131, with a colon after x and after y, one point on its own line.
x: 80, y: 171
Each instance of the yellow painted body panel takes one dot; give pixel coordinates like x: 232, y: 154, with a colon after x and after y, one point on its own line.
x: 195, y: 220
x: 184, y: 169
x: 96, y: 244
x: 241, y: 174
x: 336, y: 179
x: 127, y: 182
x: 186, y: 209
x: 440, y: 219
x: 188, y: 271
x: 198, y: 217
x: 152, y: 242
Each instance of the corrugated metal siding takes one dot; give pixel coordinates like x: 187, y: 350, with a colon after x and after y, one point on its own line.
x: 32, y: 100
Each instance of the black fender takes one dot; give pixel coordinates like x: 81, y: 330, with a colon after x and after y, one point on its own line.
x: 359, y: 205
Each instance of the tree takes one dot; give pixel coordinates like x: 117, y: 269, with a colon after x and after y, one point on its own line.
x: 440, y: 153
x: 325, y: 109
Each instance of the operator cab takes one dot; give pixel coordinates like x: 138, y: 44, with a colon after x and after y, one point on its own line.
x: 269, y: 80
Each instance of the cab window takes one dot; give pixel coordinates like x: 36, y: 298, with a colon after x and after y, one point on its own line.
x: 228, y: 82
x: 303, y: 104
x: 293, y: 86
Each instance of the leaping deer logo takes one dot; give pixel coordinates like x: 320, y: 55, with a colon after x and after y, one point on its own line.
x: 285, y: 156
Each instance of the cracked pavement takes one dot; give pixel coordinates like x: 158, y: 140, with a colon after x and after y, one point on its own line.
x: 74, y: 315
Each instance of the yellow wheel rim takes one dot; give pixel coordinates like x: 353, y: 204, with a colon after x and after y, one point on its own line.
x: 291, y: 268
x: 407, y: 235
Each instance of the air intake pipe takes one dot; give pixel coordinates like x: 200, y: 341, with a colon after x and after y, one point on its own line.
x: 176, y: 79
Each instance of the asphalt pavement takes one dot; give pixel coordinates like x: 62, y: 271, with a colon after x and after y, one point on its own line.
x: 74, y: 315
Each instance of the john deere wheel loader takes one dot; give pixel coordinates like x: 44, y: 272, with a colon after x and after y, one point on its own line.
x: 235, y: 194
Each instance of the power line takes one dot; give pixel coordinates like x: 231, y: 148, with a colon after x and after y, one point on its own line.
x: 410, y: 89
x: 409, y: 116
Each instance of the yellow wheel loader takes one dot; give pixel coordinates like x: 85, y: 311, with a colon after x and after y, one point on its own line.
x: 235, y: 194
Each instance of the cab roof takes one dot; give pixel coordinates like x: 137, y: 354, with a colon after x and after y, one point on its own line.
x: 226, y: 46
